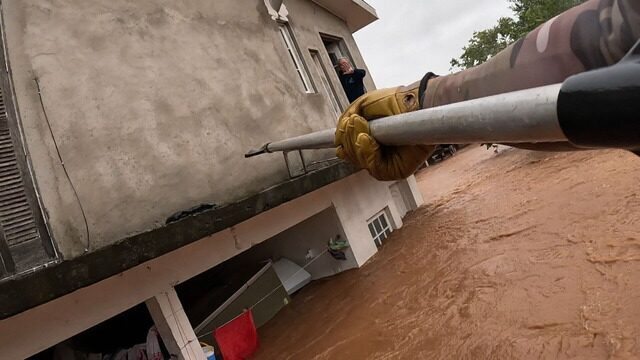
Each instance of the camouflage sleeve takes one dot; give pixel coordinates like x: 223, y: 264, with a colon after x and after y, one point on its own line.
x: 592, y: 35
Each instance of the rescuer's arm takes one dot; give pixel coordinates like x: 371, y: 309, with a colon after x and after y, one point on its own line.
x: 592, y: 35
x: 595, y: 34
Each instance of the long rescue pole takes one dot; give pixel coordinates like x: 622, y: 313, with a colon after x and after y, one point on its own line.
x: 595, y: 109
x: 521, y: 116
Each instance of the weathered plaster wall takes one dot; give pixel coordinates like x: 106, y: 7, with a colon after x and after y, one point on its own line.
x: 153, y: 104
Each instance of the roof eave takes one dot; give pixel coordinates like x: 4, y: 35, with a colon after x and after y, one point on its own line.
x: 356, y: 13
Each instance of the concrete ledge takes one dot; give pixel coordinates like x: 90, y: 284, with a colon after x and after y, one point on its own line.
x: 23, y: 293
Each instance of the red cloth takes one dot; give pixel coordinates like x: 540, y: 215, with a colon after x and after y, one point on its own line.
x: 237, y: 339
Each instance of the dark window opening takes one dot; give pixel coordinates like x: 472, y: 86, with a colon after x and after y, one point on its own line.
x: 337, y: 49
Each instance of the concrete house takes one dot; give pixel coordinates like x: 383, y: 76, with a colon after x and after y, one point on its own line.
x: 123, y: 126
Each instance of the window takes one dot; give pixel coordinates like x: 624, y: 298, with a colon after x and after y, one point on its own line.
x: 24, y: 241
x: 379, y: 227
x: 326, y: 85
x: 337, y: 49
x: 296, y: 57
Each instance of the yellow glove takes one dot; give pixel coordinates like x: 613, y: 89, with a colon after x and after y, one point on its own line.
x: 355, y: 143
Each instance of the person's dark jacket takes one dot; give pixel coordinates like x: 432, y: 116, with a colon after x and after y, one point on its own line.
x: 353, y: 84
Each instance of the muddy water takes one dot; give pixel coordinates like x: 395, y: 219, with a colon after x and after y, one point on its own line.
x: 515, y: 255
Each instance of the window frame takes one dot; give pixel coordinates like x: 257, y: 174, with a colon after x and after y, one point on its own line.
x: 344, y: 51
x: 296, y: 57
x: 379, y: 227
x: 16, y: 259
x: 330, y: 92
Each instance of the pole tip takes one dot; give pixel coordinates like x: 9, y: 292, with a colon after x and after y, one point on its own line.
x: 254, y: 152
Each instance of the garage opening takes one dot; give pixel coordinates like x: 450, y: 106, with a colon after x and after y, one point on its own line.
x: 266, y: 277
x: 128, y: 335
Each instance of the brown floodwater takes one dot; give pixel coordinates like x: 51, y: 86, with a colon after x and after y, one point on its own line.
x: 515, y: 255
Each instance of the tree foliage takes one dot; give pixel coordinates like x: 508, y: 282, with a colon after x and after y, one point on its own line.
x: 528, y: 14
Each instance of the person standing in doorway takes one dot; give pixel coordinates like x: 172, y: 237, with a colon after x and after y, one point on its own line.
x: 351, y: 79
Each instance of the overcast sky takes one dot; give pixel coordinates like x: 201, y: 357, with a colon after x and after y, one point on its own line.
x: 413, y: 37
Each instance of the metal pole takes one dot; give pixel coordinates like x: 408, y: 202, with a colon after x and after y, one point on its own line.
x: 517, y: 117
x: 521, y: 116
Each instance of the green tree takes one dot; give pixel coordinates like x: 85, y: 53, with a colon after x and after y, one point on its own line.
x: 528, y: 14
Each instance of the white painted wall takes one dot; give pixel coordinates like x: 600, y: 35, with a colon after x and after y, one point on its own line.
x: 355, y: 198
x: 357, y: 203
x: 398, y: 199
x: 308, y: 237
x: 413, y: 191
x: 406, y: 195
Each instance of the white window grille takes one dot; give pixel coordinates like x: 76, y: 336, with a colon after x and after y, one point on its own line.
x: 380, y: 228
x: 296, y: 58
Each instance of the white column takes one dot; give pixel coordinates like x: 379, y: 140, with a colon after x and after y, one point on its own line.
x: 174, y: 326
x: 415, y: 192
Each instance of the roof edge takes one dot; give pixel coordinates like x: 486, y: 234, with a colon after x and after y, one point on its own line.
x: 356, y: 13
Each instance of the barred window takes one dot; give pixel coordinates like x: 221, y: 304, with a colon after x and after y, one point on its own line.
x: 380, y: 228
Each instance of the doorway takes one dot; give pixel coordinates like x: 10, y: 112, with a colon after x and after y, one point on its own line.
x: 337, y: 49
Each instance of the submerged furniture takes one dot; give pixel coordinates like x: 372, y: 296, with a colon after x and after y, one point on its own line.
x: 263, y: 293
x: 293, y: 277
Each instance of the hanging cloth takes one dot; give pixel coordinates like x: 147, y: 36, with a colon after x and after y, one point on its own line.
x: 237, y: 339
